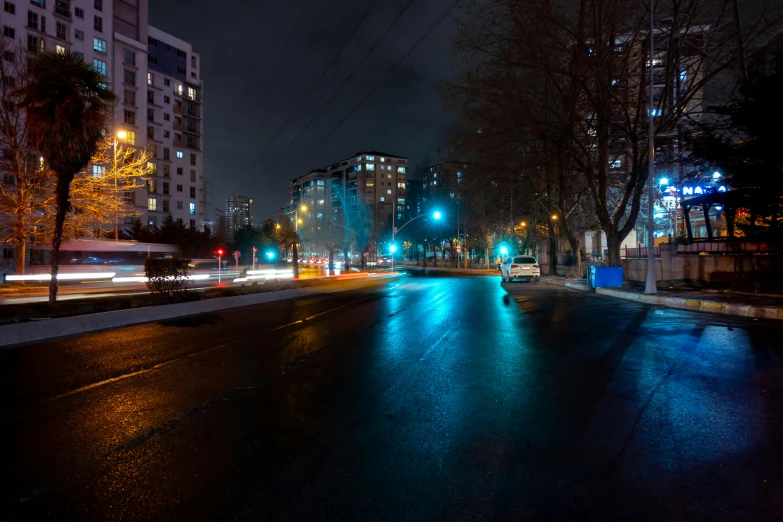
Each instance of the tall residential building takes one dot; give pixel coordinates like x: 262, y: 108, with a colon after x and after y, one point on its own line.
x: 239, y: 213
x: 152, y: 73
x: 174, y: 131
x: 365, y: 193
x: 440, y: 183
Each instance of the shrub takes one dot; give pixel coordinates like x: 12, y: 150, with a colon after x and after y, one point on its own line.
x: 166, y: 276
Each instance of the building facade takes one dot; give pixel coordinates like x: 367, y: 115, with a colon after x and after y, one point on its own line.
x: 239, y: 213
x: 174, y: 131
x: 157, y: 82
x: 361, y: 197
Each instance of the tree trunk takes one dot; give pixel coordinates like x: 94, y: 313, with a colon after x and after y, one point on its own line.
x: 331, y: 261
x: 613, y: 247
x: 21, y: 244
x: 63, y: 187
x: 295, y: 256
x: 434, y: 256
x: 346, y: 261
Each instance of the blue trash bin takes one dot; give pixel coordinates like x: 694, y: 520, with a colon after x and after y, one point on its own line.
x: 603, y: 276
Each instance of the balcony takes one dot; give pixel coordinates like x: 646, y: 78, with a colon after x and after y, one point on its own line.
x: 179, y: 109
x: 63, y: 9
x: 179, y: 126
x: 179, y: 143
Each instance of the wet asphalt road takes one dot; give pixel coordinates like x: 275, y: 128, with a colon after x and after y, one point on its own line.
x: 428, y: 398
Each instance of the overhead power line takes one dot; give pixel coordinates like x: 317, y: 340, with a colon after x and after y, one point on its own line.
x: 432, y: 27
x: 278, y: 64
x: 344, y: 83
x: 320, y: 79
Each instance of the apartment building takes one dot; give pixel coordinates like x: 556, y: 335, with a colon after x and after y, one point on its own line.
x: 157, y: 82
x: 366, y: 194
x: 174, y: 131
x: 439, y: 184
x: 239, y: 213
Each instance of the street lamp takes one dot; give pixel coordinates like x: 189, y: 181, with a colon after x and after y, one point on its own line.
x: 435, y: 215
x: 121, y: 135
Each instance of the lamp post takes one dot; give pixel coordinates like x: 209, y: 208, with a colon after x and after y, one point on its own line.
x: 435, y: 215
x: 121, y: 135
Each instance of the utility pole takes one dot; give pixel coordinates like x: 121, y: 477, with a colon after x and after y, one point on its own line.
x: 650, y: 287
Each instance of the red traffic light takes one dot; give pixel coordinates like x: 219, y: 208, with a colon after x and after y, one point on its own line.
x: 220, y: 252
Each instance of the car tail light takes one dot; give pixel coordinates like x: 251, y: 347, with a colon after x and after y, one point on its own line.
x: 536, y: 266
x: 514, y: 266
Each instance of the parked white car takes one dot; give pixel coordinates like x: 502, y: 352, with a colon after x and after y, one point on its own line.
x: 520, y: 267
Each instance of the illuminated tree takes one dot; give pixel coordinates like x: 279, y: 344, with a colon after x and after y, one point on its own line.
x: 106, y: 189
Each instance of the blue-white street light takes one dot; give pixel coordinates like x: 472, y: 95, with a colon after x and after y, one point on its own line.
x: 664, y: 181
x: 436, y: 214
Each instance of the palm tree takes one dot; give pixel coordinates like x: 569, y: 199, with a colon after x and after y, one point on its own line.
x: 68, y: 108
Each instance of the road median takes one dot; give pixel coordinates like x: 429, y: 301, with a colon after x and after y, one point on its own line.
x: 46, y: 328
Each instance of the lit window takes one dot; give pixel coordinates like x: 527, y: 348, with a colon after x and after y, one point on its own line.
x: 192, y: 209
x: 435, y: 175
x: 655, y: 112
x: 370, y: 158
x: 99, y: 45
x: 383, y: 199
x: 459, y: 174
x: 100, y: 66
x: 388, y: 191
x: 179, y: 88
x: 191, y: 93
x: 320, y: 182
x: 401, y: 201
x: 152, y: 204
x: 401, y: 186
x: 370, y: 166
x: 98, y: 171
x: 320, y: 202
x: 180, y: 155
x: 150, y: 78
x: 59, y: 49
x: 401, y: 170
x: 383, y: 160
x: 130, y: 137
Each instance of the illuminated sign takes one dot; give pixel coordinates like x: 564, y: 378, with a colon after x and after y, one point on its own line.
x: 690, y: 191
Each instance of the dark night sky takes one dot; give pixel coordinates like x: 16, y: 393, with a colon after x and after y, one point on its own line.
x: 241, y: 41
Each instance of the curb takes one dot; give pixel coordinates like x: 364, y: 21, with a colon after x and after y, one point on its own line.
x: 742, y: 310
x: 31, y: 331
x: 567, y: 284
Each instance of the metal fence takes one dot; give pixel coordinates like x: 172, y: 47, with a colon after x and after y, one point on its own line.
x: 638, y: 253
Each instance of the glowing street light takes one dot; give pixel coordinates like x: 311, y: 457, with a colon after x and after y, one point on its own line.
x: 554, y: 217
x: 664, y: 181
x: 392, y: 248
x: 303, y: 208
x: 503, y: 250
x: 436, y: 214
x: 270, y: 255
x: 122, y: 134
x: 524, y: 224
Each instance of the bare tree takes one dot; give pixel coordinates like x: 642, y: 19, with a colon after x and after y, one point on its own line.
x: 25, y: 209
x: 572, y: 76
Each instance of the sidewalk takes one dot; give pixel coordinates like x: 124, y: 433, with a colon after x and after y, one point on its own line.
x: 744, y: 305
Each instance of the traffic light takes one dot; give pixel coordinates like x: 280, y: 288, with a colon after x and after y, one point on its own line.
x: 220, y: 252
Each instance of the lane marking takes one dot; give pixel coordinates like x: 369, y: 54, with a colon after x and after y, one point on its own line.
x: 193, y: 355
